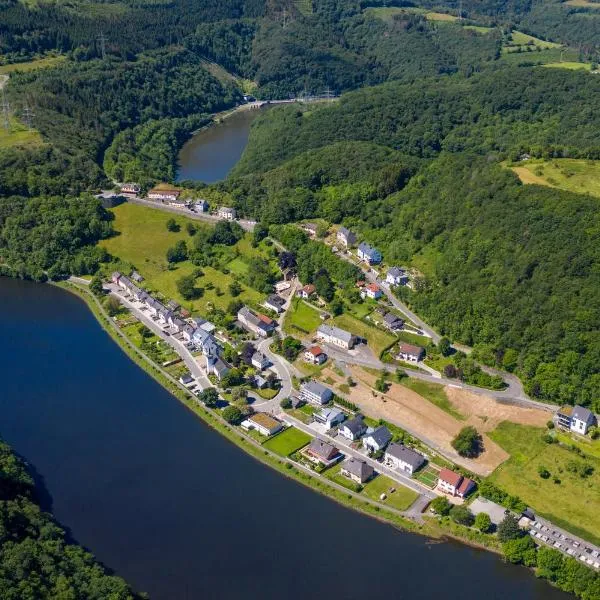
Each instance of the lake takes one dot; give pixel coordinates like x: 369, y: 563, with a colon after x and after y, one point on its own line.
x: 176, y: 509
x: 211, y: 153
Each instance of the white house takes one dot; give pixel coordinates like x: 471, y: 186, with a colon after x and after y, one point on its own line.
x: 582, y: 419
x: 166, y: 194
x: 275, y: 303
x: 259, y: 324
x: 353, y: 428
x: 226, y: 213
x: 315, y: 355
x: 455, y: 484
x: 372, y: 291
x: 130, y: 188
x: 259, y: 361
x: 410, y: 352
x: 336, y: 336
x: 368, y: 254
x: 187, y: 332
x: 396, y: 276
x: 346, y: 237
x: 398, y: 456
x: 307, y: 291
x: 377, y: 439
x: 330, y: 417
x: 263, y: 423
x: 357, y: 470
x: 315, y: 393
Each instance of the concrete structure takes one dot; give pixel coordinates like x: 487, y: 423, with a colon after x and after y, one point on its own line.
x: 377, y: 439
x: 263, y: 423
x: 315, y: 355
x: 315, y: 393
x: 357, y: 470
x: 307, y: 291
x: 398, y: 456
x: 187, y: 379
x: 200, y: 206
x: 336, y: 336
x: 410, y: 352
x: 354, y: 428
x: 346, y: 237
x: 259, y: 361
x: 495, y: 512
x: 130, y: 188
x: 368, y: 254
x: 396, y: 276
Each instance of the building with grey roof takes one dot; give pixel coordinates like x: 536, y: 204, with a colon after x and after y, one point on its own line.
x: 368, y: 254
x: 315, y: 393
x: 336, y: 336
x: 353, y: 428
x: 399, y: 456
x: 356, y: 469
x: 346, y: 237
x: 378, y: 439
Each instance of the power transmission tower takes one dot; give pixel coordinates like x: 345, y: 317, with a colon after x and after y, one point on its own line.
x: 28, y: 115
x: 102, y: 40
x: 460, y: 10
x: 285, y: 18
x: 5, y: 111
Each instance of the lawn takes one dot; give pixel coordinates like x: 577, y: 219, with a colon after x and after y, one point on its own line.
x: 439, y: 362
x: 19, y: 135
x: 377, y: 340
x: 238, y: 266
x: 287, y: 442
x: 40, y: 63
x: 574, y: 503
x: 429, y: 476
x: 387, y: 13
x: 435, y: 393
x: 334, y: 475
x: 301, y: 318
x: 401, y: 499
x: 570, y: 65
x: 588, y: 446
x: 520, y: 41
x: 571, y: 174
x: 583, y: 3
x: 479, y: 28
x: 143, y: 241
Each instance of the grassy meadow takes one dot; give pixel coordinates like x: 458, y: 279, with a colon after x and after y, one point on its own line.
x: 377, y: 339
x: 301, y: 319
x: 566, y: 498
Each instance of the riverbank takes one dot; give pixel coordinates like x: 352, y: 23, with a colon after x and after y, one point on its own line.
x: 430, y: 527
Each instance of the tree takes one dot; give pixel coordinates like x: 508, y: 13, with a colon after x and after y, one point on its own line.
x: 286, y: 403
x: 381, y: 385
x: 450, y: 371
x: 210, y: 397
x: 509, y: 529
x: 336, y: 306
x: 462, y: 515
x: 324, y: 286
x: 234, y: 307
x: 186, y: 286
x: 177, y: 253
x: 232, y: 414
x: 322, y: 229
x: 468, y: 442
x: 543, y: 472
x: 441, y: 505
x: 235, y: 289
x: 96, y: 286
x: 172, y: 226
x: 444, y: 346
x: 232, y: 378
x: 144, y: 331
x: 483, y: 522
x: 191, y: 228
x: 520, y: 551
x: 226, y: 233
x: 113, y: 306
x: 239, y: 395
x: 261, y: 231
x: 287, y: 260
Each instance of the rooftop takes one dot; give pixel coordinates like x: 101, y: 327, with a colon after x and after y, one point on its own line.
x: 315, y: 350
x: 401, y: 452
x: 322, y: 449
x: 317, y: 388
x: 264, y: 420
x: 409, y: 348
x: 358, y: 467
x: 581, y: 413
x: 336, y: 332
x: 450, y: 477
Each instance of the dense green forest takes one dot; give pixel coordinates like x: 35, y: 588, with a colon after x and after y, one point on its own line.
x: 36, y: 561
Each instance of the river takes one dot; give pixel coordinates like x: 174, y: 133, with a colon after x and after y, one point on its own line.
x: 176, y: 509
x: 211, y: 153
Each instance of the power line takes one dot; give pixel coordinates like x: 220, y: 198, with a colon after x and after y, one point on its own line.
x: 102, y: 39
x: 5, y: 111
x: 28, y: 115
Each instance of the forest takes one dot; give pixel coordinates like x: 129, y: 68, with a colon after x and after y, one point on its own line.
x: 36, y: 560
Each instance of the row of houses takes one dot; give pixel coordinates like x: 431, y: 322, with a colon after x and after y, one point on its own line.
x: 335, y: 336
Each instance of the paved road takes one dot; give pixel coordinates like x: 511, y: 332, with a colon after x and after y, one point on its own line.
x: 178, y: 346
x: 186, y: 212
x: 346, y: 449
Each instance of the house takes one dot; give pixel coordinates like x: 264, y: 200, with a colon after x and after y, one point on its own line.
x: 336, y: 336
x: 455, y: 484
x: 186, y: 379
x: 200, y: 206
x: 575, y: 418
x: 319, y: 451
x: 260, y: 325
x: 263, y: 423
x: 154, y: 306
x: 260, y: 361
x: 398, y: 456
x: 274, y: 303
x: 115, y: 277
x: 396, y: 276
x: 465, y: 487
x: 173, y: 305
x: 372, y: 291
x: 410, y: 353
x: 130, y: 188
x: 165, y: 195
x: 315, y: 355
x: 582, y: 419
x: 356, y: 469
x: 368, y: 254
x: 203, y: 324
x: 217, y: 367
x: 177, y: 323
x: 346, y: 237
x: 392, y: 322
x: 187, y: 332
x: 310, y: 228
x: 353, y: 428
x: 377, y: 439
x: 226, y: 213
x: 164, y: 314
x: 330, y: 417
x: 315, y: 393
x: 307, y: 291
x: 260, y: 382
x: 205, y: 342
x: 137, y: 277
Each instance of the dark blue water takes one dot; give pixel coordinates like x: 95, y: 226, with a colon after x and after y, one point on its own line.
x: 176, y: 509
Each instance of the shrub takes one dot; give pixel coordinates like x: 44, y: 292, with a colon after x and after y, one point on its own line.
x: 441, y: 506
x: 509, y: 529
x: 483, y: 522
x: 468, y: 442
x: 543, y: 472
x: 462, y: 515
x: 286, y: 403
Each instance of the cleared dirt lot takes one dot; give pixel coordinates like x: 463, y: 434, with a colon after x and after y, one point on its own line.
x: 433, y: 425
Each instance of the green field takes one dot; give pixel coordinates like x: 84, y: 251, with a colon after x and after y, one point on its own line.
x: 386, y: 13
x: 238, y: 266
x: 143, y: 241
x: 435, y: 393
x: 573, y: 503
x: 570, y: 65
x: 377, y: 340
x: 429, y: 476
x: 301, y: 319
x: 479, y: 28
x: 288, y: 441
x: 520, y: 41
x: 401, y: 499
x: 19, y: 135
x: 588, y: 446
x: 334, y: 474
x: 573, y: 175
x: 40, y: 63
